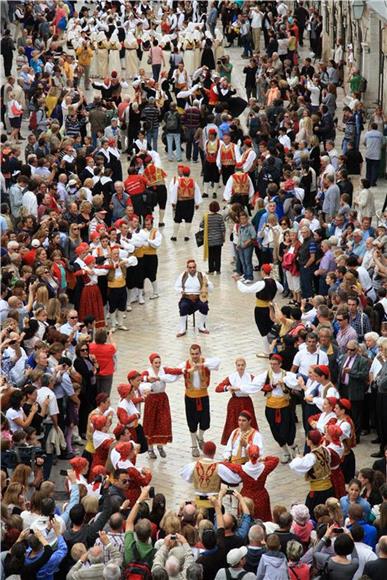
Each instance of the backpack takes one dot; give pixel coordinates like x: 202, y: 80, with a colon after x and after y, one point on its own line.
x: 33, y: 121
x: 139, y: 569
x: 363, y: 85
x: 239, y: 577
x: 171, y: 124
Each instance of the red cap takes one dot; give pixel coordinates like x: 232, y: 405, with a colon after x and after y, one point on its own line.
x: 180, y: 167
x: 98, y: 421
x: 94, y: 235
x: 100, y: 227
x: 276, y: 357
x: 82, y: 248
x: 149, y: 216
x: 118, y: 430
x: 253, y: 453
x: 118, y: 223
x: 124, y: 389
x: 324, y: 369
x: 114, y: 74
x: 267, y: 268
x: 335, y: 432
x: 246, y: 414
x: 209, y: 448
x: 186, y: 170
x: 133, y: 374
x: 212, y: 131
x: 345, y: 403
x: 247, y: 141
x: 124, y: 449
x: 79, y: 464
x: 314, y: 436
x: 89, y: 260
x: 111, y: 141
x: 332, y: 401
x: 152, y: 356
x: 97, y: 470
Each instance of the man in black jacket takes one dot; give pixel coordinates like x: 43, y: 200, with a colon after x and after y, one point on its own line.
x: 7, y: 48
x: 255, y: 548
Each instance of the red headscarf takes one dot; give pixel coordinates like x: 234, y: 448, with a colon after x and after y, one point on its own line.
x: 124, y: 390
x: 124, y: 449
x: 79, y: 464
x: 98, y: 422
x: 253, y: 453
x: 153, y: 356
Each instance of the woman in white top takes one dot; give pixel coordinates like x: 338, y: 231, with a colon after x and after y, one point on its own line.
x: 15, y: 415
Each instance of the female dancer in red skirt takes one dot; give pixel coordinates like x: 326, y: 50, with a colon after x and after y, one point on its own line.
x: 336, y: 449
x: 253, y: 476
x: 239, y: 385
x: 101, y: 440
x: 157, y: 414
x: 91, y: 302
x: 348, y: 438
x: 128, y: 412
x: 124, y: 457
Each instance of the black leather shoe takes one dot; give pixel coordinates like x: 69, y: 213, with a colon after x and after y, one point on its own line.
x: 377, y: 455
x: 173, y: 239
x: 205, y: 195
x: 186, y: 238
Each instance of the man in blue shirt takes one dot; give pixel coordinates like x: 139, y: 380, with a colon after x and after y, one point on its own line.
x: 355, y: 514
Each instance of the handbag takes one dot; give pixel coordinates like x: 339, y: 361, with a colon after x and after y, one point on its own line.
x: 199, y: 237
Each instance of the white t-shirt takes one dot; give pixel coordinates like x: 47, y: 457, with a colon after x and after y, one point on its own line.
x: 43, y: 393
x: 304, y: 359
x: 11, y: 415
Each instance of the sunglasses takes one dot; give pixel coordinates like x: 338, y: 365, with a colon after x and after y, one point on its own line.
x: 351, y: 349
x: 124, y: 480
x: 84, y: 350
x: 73, y: 317
x: 339, y: 319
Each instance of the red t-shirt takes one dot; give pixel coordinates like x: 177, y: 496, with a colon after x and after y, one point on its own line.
x: 104, y: 354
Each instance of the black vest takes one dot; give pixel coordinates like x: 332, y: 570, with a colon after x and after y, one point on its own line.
x: 269, y: 291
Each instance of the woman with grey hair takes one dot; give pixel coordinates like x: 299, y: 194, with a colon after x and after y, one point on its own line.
x: 111, y: 572
x: 195, y: 572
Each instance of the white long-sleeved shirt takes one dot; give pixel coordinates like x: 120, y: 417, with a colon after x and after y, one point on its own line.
x: 155, y: 243
x: 162, y: 377
x: 256, y: 287
x: 301, y: 465
x: 224, y: 473
x: 212, y: 364
x: 228, y: 189
x: 192, y: 284
x: 289, y: 379
x: 244, y: 383
x: 173, y: 189
x: 233, y: 444
x: 249, y: 161
x: 223, y: 145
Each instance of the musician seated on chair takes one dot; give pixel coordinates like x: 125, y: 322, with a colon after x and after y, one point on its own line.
x: 193, y: 287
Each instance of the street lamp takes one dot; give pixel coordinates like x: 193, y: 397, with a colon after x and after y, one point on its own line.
x: 358, y: 9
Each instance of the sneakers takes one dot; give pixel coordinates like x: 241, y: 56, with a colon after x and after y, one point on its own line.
x: 161, y: 451
x: 154, y: 296
x: 128, y: 308
x: 195, y: 452
x: 179, y: 334
x: 173, y: 239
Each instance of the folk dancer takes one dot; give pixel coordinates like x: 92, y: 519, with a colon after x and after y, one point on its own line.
x: 101, y: 440
x: 91, y: 302
x: 336, y: 449
x: 239, y: 187
x: 135, y: 277
x: 227, y: 158
x: 344, y: 421
x: 243, y: 436
x: 253, y: 475
x: 248, y: 159
x: 124, y: 457
x: 152, y: 241
x: 276, y: 384
x: 238, y: 384
x: 210, y: 168
x: 155, y: 178
x: 316, y: 467
x: 207, y: 474
x: 265, y: 292
x: 193, y: 287
x: 128, y: 412
x: 321, y: 421
x: 197, y: 376
x: 185, y: 197
x: 157, y: 414
x: 117, y: 293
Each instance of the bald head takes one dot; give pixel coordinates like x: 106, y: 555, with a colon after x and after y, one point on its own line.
x: 256, y: 535
x: 189, y: 512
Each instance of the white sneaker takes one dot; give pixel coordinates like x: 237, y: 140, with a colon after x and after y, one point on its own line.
x: 141, y: 300
x: 128, y: 308
x: 154, y: 296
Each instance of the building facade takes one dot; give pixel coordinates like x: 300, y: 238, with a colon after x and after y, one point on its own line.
x: 361, y: 26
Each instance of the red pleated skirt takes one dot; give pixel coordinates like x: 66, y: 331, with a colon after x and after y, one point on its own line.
x: 157, y: 419
x: 235, y: 406
x: 91, y: 304
x: 338, y: 482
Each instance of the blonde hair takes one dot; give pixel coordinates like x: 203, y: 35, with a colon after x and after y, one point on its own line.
x: 54, y: 310
x: 204, y: 525
x: 170, y: 523
x: 21, y: 474
x: 42, y: 296
x: 12, y: 493
x: 334, y: 510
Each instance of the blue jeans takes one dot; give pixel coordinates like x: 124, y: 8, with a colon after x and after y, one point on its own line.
x: 152, y: 136
x: 344, y: 146
x: 174, y: 138
x: 247, y: 46
x: 244, y: 262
